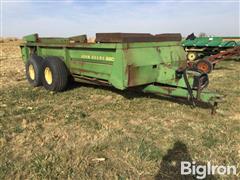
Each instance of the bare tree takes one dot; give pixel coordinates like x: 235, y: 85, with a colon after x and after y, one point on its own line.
x: 202, y: 34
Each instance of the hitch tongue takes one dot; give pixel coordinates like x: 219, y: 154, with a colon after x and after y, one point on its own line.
x: 189, y: 89
x: 213, y: 99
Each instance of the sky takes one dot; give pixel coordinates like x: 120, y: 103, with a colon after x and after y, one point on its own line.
x: 74, y: 17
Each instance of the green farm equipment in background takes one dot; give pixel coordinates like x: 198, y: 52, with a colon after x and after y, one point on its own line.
x: 205, y: 52
x: 199, y: 47
x: 149, y: 63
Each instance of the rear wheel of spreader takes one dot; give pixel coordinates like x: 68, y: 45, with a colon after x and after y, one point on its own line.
x: 192, y: 56
x: 55, y: 74
x: 34, y: 69
x: 204, y: 66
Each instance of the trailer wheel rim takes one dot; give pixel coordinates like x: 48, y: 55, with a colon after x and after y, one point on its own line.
x: 31, y: 72
x: 191, y: 56
x: 203, y: 67
x: 48, y: 75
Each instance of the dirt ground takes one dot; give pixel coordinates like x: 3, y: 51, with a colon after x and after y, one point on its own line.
x: 90, y: 132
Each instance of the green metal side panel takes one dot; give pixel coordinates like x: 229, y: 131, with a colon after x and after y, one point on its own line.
x: 229, y: 44
x: 95, y: 63
x: 155, y: 63
x: 118, y: 70
x: 45, y: 52
x: 142, y: 56
x: 31, y: 38
x: 77, y: 45
x: 25, y: 53
x: 171, y: 59
x: 150, y: 44
x: 141, y: 66
x: 212, y: 42
x: 100, y: 55
x: 90, y: 69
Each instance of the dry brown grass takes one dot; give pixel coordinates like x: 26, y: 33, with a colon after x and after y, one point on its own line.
x: 88, y: 132
x: 11, y: 66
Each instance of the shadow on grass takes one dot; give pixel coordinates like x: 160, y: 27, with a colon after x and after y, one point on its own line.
x: 170, y: 167
x: 136, y: 93
x: 222, y: 68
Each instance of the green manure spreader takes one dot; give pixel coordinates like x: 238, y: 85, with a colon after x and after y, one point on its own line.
x: 149, y: 63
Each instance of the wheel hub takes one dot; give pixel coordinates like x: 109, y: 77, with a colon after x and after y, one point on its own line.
x: 48, y: 75
x: 203, y: 67
x: 31, y: 72
x: 191, y: 56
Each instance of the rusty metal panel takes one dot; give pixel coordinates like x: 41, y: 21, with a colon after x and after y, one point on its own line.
x: 135, y: 37
x: 139, y: 75
x: 119, y: 37
x: 169, y: 37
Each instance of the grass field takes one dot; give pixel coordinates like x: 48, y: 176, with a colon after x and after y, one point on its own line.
x: 88, y: 132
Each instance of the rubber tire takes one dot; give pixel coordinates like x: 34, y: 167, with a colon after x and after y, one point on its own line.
x: 208, y: 64
x: 37, y: 63
x: 59, y: 74
x: 193, y: 53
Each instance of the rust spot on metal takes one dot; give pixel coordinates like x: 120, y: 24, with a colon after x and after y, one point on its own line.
x: 132, y: 75
x: 131, y: 69
x: 225, y: 54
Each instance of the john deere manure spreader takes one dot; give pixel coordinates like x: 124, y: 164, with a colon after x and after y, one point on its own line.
x: 150, y: 63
